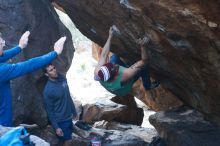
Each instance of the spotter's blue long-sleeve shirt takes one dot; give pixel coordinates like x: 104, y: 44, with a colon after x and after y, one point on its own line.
x: 9, y: 54
x: 11, y: 71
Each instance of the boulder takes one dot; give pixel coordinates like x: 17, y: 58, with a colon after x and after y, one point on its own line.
x: 184, y: 48
x: 108, y: 133
x: 131, y: 114
x: 158, y: 99
x: 145, y: 134
x: 101, y: 110
x: 185, y: 126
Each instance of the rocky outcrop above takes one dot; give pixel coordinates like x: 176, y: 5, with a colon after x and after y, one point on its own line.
x: 40, y: 19
x: 184, y: 48
x: 185, y: 127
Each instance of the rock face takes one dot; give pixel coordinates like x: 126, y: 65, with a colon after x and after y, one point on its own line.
x: 131, y: 114
x: 185, y: 46
x: 185, y: 127
x: 109, y: 133
x: 144, y: 133
x: 158, y: 99
x: 102, y: 110
x: 40, y: 19
x: 122, y: 109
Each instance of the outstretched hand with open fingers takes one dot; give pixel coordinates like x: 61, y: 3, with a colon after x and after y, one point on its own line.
x: 24, y: 40
x: 58, y: 46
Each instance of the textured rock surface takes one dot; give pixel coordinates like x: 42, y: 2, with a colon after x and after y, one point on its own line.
x: 185, y: 127
x: 184, y: 52
x: 102, y: 110
x: 144, y: 133
x: 158, y: 99
x: 131, y: 114
x: 40, y: 18
x: 113, y: 134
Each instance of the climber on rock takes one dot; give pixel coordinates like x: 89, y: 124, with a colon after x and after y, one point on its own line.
x: 115, y: 76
